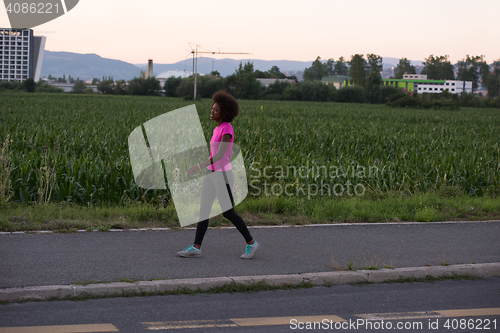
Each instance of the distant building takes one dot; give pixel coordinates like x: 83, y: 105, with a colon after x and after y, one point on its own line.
x: 21, y: 54
x: 162, y: 77
x: 338, y: 81
x: 414, y: 76
x: 68, y: 87
x: 267, y: 82
x: 430, y: 86
x: 410, y: 82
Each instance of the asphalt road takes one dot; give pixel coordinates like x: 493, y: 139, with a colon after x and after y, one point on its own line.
x: 53, y: 259
x: 415, y: 305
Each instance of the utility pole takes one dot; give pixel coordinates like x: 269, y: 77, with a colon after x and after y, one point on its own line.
x: 195, y: 61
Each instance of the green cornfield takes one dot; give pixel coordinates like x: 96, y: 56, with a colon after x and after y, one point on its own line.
x: 289, y: 148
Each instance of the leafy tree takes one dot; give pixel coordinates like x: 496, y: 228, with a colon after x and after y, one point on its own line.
x: 62, y: 79
x: 120, y: 88
x: 184, y: 88
x: 492, y: 80
x: 208, y: 85
x: 275, y: 73
x: 171, y: 85
x: 329, y: 67
x: 106, y: 86
x: 78, y: 87
x: 261, y: 75
x: 372, y: 85
x: 470, y: 69
x: 315, y: 72
x: 340, y: 67
x: 277, y: 87
x: 95, y: 81
x: 404, y: 66
x: 142, y: 86
x: 214, y: 73
x: 358, y: 69
x: 484, y: 70
x: 374, y: 63
x: 246, y: 84
x: 438, y: 68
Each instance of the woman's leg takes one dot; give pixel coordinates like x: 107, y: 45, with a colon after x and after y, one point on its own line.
x: 230, y: 213
x: 208, y: 191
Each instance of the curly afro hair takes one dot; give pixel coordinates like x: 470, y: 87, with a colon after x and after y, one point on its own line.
x: 228, y: 105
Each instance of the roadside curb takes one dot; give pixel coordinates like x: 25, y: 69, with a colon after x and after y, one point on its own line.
x: 61, y: 292
x: 250, y: 227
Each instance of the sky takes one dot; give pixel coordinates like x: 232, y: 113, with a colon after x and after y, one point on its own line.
x: 135, y: 31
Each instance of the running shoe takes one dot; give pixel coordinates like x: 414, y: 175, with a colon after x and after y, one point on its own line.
x: 250, y: 250
x: 189, y: 252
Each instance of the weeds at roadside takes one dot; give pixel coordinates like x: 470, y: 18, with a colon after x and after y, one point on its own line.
x: 5, y: 169
x: 350, y: 266
x: 433, y: 279
x: 365, y: 262
x: 443, y: 258
x: 47, y: 175
x: 230, y: 288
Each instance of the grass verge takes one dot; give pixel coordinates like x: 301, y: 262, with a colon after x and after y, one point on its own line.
x: 264, y: 210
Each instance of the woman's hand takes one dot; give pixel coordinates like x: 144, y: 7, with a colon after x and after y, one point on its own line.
x: 193, y: 170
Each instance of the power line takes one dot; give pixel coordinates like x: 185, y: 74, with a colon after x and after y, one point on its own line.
x: 195, y: 52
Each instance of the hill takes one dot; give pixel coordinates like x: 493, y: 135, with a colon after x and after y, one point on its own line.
x: 88, y: 66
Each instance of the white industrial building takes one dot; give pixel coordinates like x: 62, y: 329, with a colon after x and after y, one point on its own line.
x: 419, y: 83
x: 451, y: 86
x: 162, y: 77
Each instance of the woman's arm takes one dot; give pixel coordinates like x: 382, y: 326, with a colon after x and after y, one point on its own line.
x: 220, y: 154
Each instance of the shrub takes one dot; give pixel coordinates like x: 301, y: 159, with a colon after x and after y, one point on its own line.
x: 390, y: 94
x: 495, y: 103
x: 292, y: 93
x: 406, y: 102
x: 29, y: 85
x: 471, y: 100
x: 44, y: 87
x: 354, y: 94
x: 316, y: 91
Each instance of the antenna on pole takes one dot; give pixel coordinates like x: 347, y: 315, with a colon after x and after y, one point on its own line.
x: 195, y: 61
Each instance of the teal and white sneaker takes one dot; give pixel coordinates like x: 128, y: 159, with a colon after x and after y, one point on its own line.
x: 189, y: 252
x: 250, y: 250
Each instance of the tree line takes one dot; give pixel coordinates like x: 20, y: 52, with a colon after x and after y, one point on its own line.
x: 365, y: 81
x: 471, y: 68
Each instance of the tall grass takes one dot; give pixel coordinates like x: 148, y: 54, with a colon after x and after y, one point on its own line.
x: 383, y: 149
x: 5, y: 169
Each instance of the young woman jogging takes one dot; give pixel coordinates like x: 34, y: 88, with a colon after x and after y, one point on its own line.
x: 219, y: 179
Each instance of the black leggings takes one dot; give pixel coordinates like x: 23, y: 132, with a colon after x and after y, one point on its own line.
x: 218, y: 183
